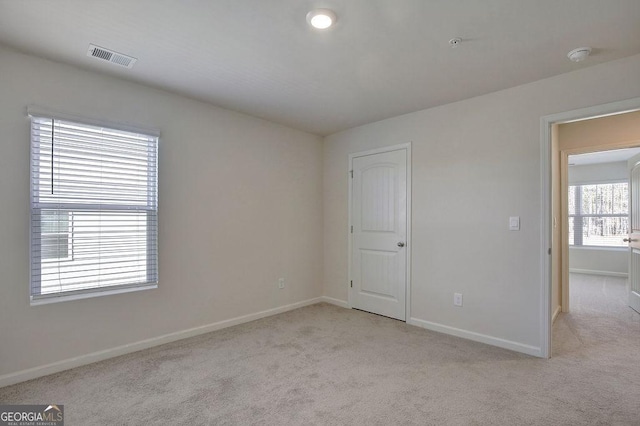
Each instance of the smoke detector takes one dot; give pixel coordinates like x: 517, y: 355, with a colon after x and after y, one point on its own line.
x: 111, y: 56
x: 579, y: 54
x: 455, y: 42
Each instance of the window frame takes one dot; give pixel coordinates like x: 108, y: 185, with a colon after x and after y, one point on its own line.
x: 578, y: 204
x: 37, y: 298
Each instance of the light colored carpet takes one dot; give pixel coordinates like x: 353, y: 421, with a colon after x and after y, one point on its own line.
x: 327, y: 365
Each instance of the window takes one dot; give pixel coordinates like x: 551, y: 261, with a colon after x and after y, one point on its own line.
x: 56, y: 241
x: 93, y: 208
x: 599, y: 214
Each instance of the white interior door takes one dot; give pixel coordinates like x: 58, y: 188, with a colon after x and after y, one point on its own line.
x: 379, y: 233
x: 634, y: 233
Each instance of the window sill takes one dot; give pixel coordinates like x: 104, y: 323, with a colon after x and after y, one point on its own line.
x: 599, y: 248
x: 87, y: 295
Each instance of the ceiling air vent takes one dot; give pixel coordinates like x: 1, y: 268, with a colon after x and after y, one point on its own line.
x: 111, y: 56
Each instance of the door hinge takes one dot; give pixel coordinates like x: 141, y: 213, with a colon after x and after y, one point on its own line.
x: 549, y: 251
x: 351, y: 171
x: 352, y: 229
x: 351, y: 284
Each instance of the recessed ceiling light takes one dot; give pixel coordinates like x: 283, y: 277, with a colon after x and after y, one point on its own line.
x: 579, y: 54
x: 321, y: 18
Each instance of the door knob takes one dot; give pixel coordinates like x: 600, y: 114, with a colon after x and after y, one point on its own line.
x: 628, y: 240
x: 400, y: 244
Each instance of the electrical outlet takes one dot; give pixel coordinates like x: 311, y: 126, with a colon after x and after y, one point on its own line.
x: 457, y: 299
x: 281, y: 283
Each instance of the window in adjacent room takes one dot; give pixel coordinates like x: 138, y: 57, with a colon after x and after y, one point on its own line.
x: 94, y: 209
x: 599, y: 214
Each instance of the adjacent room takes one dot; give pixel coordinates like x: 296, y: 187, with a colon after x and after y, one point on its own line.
x: 320, y: 212
x: 594, y: 298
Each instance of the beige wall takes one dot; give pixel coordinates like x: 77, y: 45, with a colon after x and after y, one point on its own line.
x: 600, y: 133
x: 475, y: 163
x: 240, y: 205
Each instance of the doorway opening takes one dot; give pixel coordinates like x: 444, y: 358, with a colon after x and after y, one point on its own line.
x: 380, y: 231
x: 596, y: 129
x: 598, y: 228
x: 597, y: 219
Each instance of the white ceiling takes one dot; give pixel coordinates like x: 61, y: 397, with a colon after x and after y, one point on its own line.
x: 610, y: 156
x: 383, y: 58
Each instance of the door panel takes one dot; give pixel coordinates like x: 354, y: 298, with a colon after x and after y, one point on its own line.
x: 379, y: 220
x: 378, y: 269
x: 378, y: 198
x: 634, y: 237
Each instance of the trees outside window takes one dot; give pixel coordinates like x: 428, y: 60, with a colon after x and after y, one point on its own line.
x: 599, y: 214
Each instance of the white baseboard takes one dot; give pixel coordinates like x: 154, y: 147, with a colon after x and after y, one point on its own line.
x: 477, y: 337
x: 555, y: 314
x: 337, y: 302
x: 594, y: 272
x: 66, y: 364
x: 465, y: 334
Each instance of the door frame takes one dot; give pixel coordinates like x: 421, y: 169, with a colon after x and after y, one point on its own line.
x: 407, y: 148
x: 633, y: 277
x: 546, y: 123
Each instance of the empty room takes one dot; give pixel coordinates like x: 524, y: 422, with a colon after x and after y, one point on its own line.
x: 319, y: 212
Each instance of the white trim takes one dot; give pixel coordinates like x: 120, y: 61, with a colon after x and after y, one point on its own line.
x: 545, y: 238
x: 44, y: 112
x: 337, y: 302
x: 407, y: 147
x: 556, y: 313
x: 600, y: 248
x: 545, y: 200
x: 596, y: 272
x: 409, y: 245
x: 349, y: 235
x: 379, y: 150
x: 477, y: 337
x: 88, y: 294
x: 66, y: 364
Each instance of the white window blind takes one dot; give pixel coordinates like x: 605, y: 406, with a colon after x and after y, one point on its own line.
x: 94, y: 208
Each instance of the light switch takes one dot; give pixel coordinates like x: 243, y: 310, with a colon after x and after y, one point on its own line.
x: 514, y: 223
